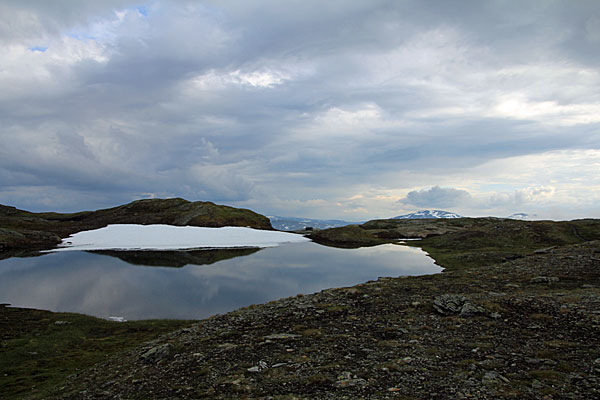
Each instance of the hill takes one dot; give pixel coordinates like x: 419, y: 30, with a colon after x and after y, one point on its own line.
x: 21, y: 229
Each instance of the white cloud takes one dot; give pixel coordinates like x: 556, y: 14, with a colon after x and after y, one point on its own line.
x: 216, y: 80
x: 517, y: 106
x: 436, y: 197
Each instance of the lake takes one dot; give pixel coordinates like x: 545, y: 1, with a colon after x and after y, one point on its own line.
x: 194, y: 284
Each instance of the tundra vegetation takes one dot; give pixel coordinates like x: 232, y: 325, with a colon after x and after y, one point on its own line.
x: 513, y: 316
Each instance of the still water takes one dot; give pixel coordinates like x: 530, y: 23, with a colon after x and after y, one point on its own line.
x: 194, y: 284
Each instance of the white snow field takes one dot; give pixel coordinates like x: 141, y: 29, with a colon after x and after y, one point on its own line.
x: 168, y: 237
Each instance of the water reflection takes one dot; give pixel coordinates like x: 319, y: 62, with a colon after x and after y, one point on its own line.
x: 107, y: 286
x: 178, y: 258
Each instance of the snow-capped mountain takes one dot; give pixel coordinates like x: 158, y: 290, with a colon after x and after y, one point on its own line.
x: 522, y: 216
x: 295, y: 224
x: 424, y: 214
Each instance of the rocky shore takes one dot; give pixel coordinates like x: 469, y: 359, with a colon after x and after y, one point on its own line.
x: 522, y: 329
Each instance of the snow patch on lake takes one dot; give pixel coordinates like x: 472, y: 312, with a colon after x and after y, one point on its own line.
x: 168, y: 237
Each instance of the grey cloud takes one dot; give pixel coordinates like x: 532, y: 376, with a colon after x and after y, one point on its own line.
x: 437, y: 197
x: 135, y: 123
x: 31, y: 21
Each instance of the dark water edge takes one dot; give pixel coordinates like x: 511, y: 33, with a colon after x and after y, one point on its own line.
x: 118, y: 285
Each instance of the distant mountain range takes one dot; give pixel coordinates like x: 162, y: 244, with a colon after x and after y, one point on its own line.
x: 424, y: 214
x: 296, y: 224
x: 522, y: 216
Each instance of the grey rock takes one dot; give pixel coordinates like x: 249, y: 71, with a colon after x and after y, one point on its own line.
x: 276, y: 336
x: 536, y: 384
x: 346, y: 379
x: 261, y: 366
x: 157, y: 353
x: 493, y: 377
x: 227, y: 346
x: 544, y: 250
x: 533, y: 361
x: 447, y: 304
x: 470, y: 310
x: 544, y: 279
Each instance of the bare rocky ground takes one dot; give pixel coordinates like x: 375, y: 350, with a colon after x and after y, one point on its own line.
x: 523, y: 329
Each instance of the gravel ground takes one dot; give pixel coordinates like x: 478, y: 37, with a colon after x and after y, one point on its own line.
x: 524, y: 329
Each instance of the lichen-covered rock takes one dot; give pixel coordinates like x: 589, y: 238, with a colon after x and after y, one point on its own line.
x: 157, y: 353
x: 448, y: 304
x: 544, y: 279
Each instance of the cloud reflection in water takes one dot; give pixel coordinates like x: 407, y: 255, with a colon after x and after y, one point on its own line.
x: 107, y: 286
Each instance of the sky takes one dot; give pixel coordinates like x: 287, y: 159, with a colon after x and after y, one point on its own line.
x: 340, y: 109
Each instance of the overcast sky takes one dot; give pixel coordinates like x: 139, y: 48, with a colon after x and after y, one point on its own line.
x: 326, y: 109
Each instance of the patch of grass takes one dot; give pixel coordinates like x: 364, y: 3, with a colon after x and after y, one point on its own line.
x: 546, y: 354
x: 465, y: 363
x: 492, y: 307
x: 318, y: 380
x: 547, y: 375
x: 541, y: 317
x: 388, y: 343
x: 311, y: 332
x: 565, y: 367
x: 560, y: 344
x: 37, y: 354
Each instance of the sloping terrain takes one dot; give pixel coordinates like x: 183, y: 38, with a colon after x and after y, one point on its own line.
x: 23, y: 231
x: 465, y: 242
x: 526, y: 329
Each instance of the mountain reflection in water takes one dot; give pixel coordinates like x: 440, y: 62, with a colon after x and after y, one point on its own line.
x: 102, y: 286
x: 176, y: 259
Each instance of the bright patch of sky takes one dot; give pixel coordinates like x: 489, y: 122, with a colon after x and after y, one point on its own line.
x: 303, y: 108
x: 39, y: 48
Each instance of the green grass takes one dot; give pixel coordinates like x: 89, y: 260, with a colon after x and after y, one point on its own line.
x: 37, y: 355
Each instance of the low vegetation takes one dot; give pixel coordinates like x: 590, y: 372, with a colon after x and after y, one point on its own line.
x: 465, y: 242
x: 39, y: 349
x: 513, y: 316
